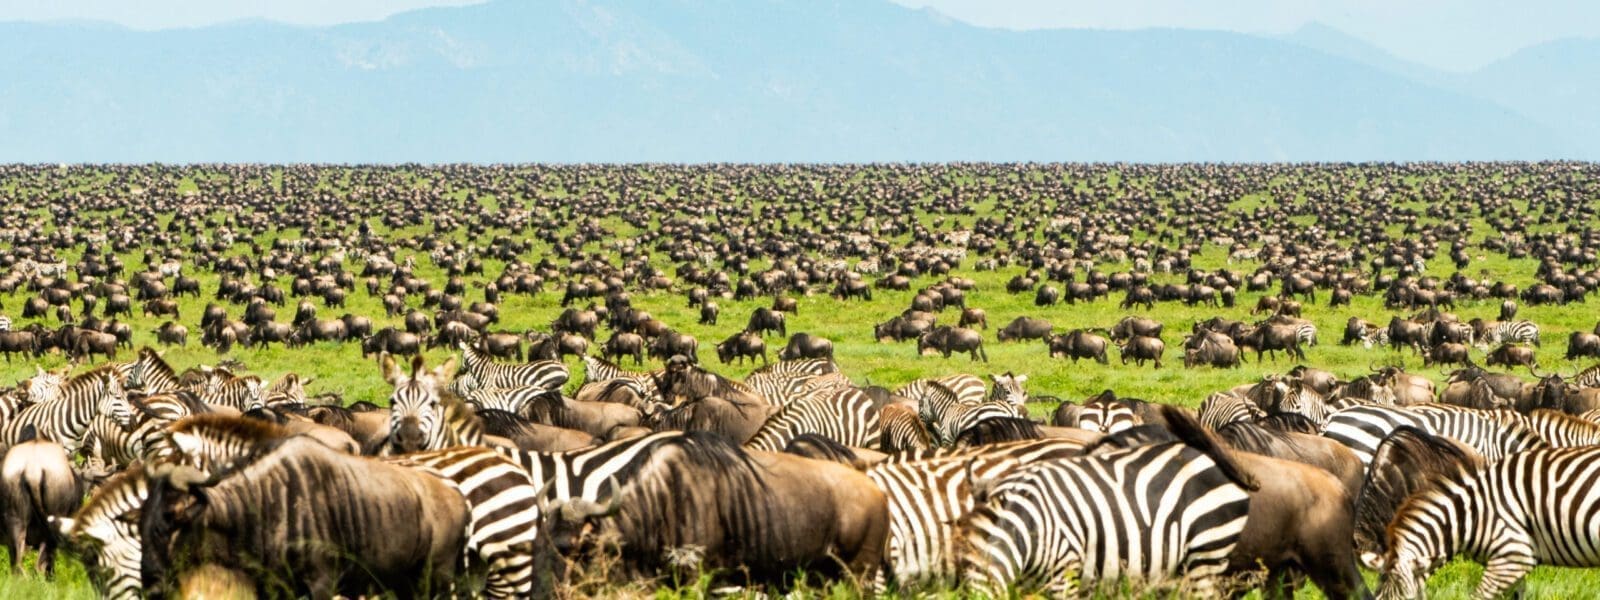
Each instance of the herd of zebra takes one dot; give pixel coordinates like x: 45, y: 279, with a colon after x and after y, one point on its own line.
x: 208, y: 480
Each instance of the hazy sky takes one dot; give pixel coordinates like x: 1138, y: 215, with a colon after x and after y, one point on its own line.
x: 1450, y: 34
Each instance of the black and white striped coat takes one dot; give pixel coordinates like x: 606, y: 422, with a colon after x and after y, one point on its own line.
x: 1531, y: 508
x: 66, y: 419
x: 486, y: 373
x: 1152, y: 513
x: 845, y: 415
x: 1363, y: 428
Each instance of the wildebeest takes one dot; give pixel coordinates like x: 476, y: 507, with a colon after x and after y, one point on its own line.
x: 1129, y: 327
x: 745, y: 344
x: 804, y: 345
x: 973, y: 316
x: 1142, y: 348
x: 702, y: 504
x: 947, y: 340
x: 1024, y: 328
x: 1267, y: 338
x: 37, y: 481
x: 343, y: 540
x: 674, y: 343
x: 391, y: 341
x: 1511, y: 355
x: 171, y: 334
x: 765, y: 320
x: 622, y: 344
x: 1077, y: 344
x: 1583, y: 344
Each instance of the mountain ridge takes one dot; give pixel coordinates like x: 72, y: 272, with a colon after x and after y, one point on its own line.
x: 715, y: 81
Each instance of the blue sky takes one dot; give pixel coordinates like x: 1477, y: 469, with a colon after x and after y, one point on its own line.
x: 1449, y: 34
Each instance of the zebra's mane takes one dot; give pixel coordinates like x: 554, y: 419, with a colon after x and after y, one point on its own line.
x: 102, y: 503
x: 95, y: 377
x: 229, y: 427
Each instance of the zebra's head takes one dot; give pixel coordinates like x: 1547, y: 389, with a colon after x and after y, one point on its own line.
x: 114, y: 401
x: 44, y: 386
x: 1405, y: 574
x: 105, y: 533
x: 1008, y: 387
x: 255, y: 393
x: 415, y: 408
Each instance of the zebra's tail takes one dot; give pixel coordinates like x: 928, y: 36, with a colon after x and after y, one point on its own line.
x: 1188, y: 429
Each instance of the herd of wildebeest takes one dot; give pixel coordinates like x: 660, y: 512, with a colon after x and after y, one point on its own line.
x: 490, y: 474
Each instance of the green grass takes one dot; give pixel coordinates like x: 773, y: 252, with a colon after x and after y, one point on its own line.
x: 340, y: 368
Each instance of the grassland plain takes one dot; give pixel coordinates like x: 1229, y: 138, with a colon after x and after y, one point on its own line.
x: 341, y: 369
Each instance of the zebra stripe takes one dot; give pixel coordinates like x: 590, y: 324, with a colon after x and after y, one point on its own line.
x: 65, y: 420
x: 1108, y: 416
x: 1148, y: 513
x: 903, y: 428
x: 947, y: 415
x: 967, y: 388
x: 927, y: 498
x: 5, y: 323
x: 1363, y: 428
x: 549, y: 374
x: 1588, y: 378
x: 149, y: 373
x: 240, y: 393
x: 787, y: 381
x: 1532, y: 508
x: 509, y: 399
x: 1303, y: 401
x: 1510, y: 333
x: 1008, y: 388
x: 1222, y: 408
x: 585, y: 473
x: 599, y: 370
x: 106, y: 533
x: 847, y: 416
x: 1556, y: 428
x: 503, y: 503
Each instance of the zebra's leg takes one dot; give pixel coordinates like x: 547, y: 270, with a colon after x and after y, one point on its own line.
x: 1512, y: 560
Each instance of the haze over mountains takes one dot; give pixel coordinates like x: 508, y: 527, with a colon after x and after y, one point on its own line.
x: 760, y: 81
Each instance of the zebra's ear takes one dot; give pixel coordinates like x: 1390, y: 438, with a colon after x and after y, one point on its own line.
x: 391, y: 371
x: 445, y: 371
x: 38, y: 370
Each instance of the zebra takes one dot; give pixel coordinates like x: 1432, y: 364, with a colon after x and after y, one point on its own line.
x: 1149, y: 512
x: 65, y: 420
x: 1108, y: 414
x: 598, y: 370
x: 1509, y: 333
x: 421, y: 418
x: 946, y: 415
x: 1556, y: 428
x: 1222, y: 408
x: 789, y: 380
x: 967, y: 388
x: 509, y: 399
x: 241, y: 393
x: 928, y: 497
x: 1008, y: 388
x: 106, y: 533
x: 1306, y: 333
x: 549, y: 374
x: 5, y: 323
x: 149, y: 373
x: 1530, y: 508
x: 903, y: 428
x: 1588, y: 378
x: 146, y: 438
x: 846, y: 415
x: 288, y: 390
x: 1363, y: 428
x: 44, y: 386
x: 1300, y: 399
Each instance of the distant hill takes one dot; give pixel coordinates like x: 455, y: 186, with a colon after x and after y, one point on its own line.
x: 750, y: 80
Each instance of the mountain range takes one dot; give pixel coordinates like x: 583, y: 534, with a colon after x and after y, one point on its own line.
x: 764, y: 81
